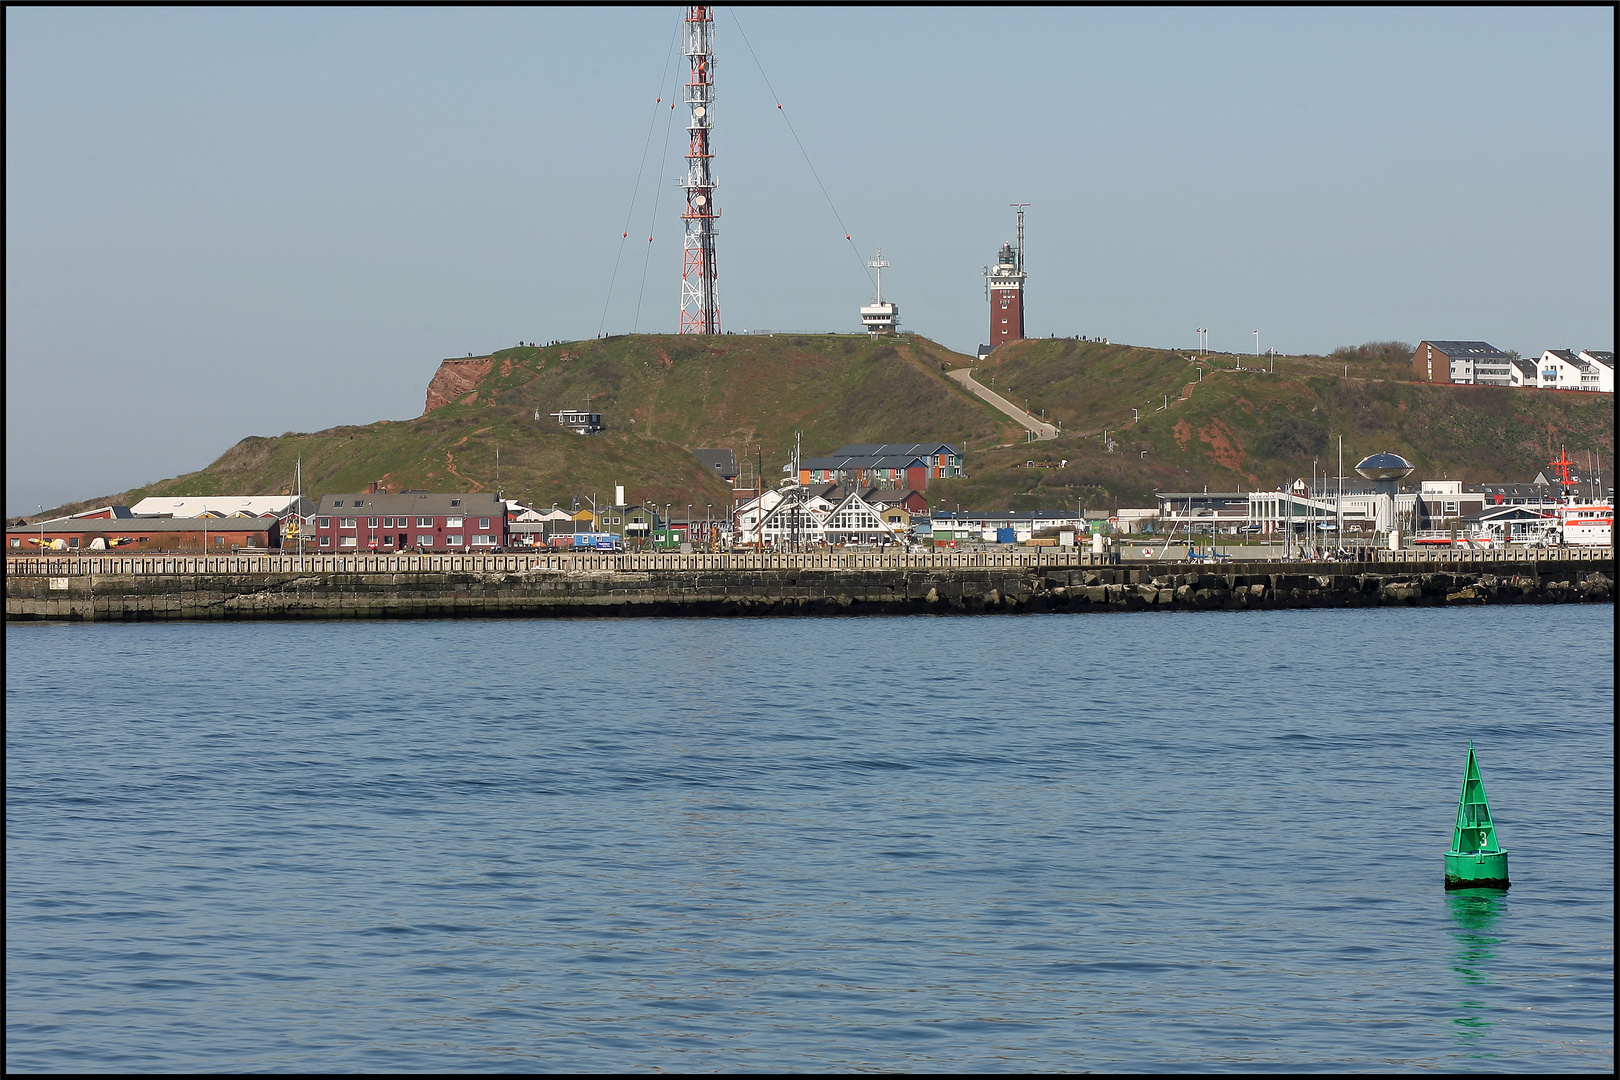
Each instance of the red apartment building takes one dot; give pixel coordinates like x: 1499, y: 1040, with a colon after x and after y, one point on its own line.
x: 378, y: 522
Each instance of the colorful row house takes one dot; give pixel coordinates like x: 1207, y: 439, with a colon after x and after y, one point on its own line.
x: 883, y: 465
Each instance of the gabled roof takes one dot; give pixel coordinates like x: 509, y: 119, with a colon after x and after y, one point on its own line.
x: 1604, y: 358
x: 891, y: 496
x: 889, y: 449
x: 1506, y: 489
x: 1474, y: 350
x: 865, y: 461
x: 99, y: 512
x: 1527, y: 368
x: 853, y: 501
x: 1573, y: 359
x: 794, y: 500
x: 222, y: 505
x: 1507, y: 513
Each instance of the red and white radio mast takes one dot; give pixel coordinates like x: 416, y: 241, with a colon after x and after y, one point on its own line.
x: 700, y: 306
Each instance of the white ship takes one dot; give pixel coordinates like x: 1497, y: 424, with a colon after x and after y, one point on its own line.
x: 1581, y: 523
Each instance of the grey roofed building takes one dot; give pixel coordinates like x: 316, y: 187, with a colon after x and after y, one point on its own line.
x: 1475, y: 349
x: 860, y: 463
x: 150, y: 524
x: 1466, y: 362
x: 1511, y: 494
x: 1002, y: 517
x: 81, y: 535
x: 477, y: 504
x: 890, y: 449
x: 98, y: 513
x: 723, y: 462
x: 1574, y: 360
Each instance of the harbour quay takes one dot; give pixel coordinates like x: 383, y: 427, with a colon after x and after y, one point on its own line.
x: 242, y: 587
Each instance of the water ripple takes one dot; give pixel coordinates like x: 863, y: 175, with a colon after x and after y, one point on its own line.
x: 994, y: 844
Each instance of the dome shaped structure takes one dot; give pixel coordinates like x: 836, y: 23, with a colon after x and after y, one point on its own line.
x: 1385, y: 467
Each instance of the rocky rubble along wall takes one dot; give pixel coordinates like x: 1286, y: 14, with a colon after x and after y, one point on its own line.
x: 774, y: 592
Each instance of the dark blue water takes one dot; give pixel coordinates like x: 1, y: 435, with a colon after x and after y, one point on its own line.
x: 1129, y: 842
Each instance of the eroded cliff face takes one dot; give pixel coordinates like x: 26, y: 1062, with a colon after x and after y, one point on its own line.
x: 454, y: 379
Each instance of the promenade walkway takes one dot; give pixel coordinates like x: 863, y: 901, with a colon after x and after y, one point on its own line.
x: 1041, y: 429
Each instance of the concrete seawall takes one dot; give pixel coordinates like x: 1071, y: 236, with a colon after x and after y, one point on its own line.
x: 553, y: 592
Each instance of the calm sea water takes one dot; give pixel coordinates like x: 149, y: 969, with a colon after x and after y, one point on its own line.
x: 1131, y: 842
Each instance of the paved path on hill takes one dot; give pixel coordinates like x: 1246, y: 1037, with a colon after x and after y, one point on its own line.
x: 1041, y: 428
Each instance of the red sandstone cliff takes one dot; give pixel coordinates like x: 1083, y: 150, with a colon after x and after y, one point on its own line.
x: 455, y: 378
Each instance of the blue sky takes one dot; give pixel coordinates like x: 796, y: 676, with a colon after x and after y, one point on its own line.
x: 234, y: 221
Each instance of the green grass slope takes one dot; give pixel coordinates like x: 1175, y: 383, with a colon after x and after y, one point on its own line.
x: 663, y: 395
x: 660, y: 395
x: 1248, y: 428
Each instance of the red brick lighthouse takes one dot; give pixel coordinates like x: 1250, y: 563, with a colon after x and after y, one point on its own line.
x: 1006, y: 281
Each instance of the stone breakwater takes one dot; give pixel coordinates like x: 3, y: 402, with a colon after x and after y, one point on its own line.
x: 685, y: 592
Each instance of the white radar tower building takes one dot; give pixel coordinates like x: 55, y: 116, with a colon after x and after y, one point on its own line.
x: 880, y: 318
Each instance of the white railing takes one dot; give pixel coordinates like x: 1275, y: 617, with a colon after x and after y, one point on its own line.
x: 587, y: 562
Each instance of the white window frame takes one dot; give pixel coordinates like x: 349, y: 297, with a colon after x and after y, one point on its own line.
x: 348, y: 541
x: 453, y: 541
x: 348, y: 523
x: 424, y: 523
x: 326, y: 541
x: 452, y: 522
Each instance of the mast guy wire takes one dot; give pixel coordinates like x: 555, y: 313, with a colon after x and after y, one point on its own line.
x: 839, y: 218
x: 657, y: 191
x: 640, y: 169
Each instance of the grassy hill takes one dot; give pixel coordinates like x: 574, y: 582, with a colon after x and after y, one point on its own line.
x: 660, y: 396
x: 1196, y: 423
x: 1179, y: 424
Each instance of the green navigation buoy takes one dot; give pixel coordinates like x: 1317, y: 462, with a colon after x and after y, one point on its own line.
x: 1476, y: 860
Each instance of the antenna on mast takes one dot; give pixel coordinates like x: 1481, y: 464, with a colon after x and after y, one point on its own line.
x: 1020, y: 208
x: 878, y: 264
x: 700, y: 307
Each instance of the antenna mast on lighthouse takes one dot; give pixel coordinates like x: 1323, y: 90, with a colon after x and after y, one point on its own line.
x: 700, y: 306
